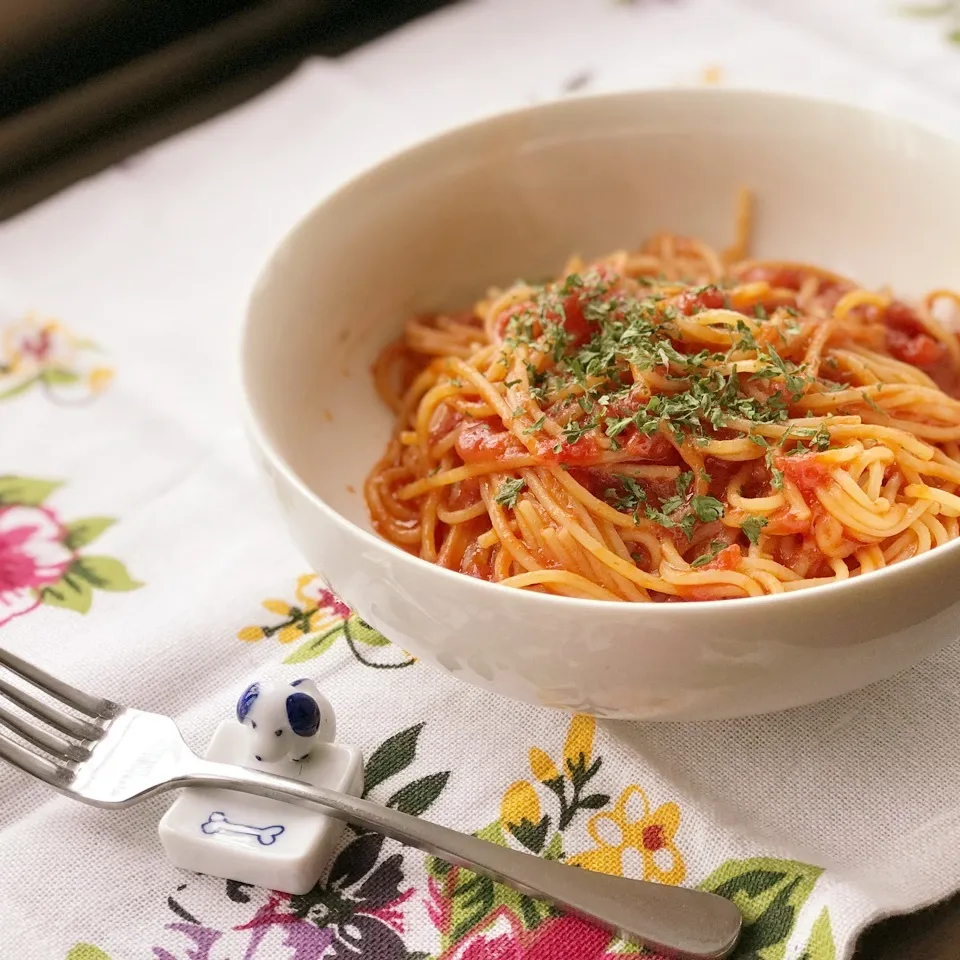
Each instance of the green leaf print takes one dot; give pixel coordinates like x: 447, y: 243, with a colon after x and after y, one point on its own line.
x: 770, y: 894
x: 416, y: 797
x: 361, y: 632
x: 926, y: 9
x: 316, y: 646
x: 26, y: 491
x: 86, y: 951
x: 393, y: 755
x: 80, y: 533
x: 752, y: 883
x: 104, y: 573
x: 58, y: 375
x: 554, y: 849
x: 472, y: 898
x: 71, y: 592
x: 19, y: 388
x: 821, y: 945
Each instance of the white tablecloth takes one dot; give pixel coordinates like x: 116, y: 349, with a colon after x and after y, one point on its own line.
x: 141, y: 558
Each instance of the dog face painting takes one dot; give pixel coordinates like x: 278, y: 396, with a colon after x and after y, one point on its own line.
x: 285, y: 719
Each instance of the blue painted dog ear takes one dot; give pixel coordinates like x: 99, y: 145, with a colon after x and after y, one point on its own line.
x: 246, y: 701
x: 303, y: 714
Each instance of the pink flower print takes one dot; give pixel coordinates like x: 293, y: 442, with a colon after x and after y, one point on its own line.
x: 313, y: 592
x: 571, y: 937
x: 558, y: 938
x: 32, y: 555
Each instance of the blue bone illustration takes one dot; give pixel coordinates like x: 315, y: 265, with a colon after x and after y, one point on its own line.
x: 217, y: 822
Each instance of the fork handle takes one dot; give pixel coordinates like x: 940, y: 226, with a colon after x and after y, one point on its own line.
x: 674, y: 920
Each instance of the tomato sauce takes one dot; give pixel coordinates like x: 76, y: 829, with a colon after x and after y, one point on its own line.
x: 464, y: 494
x: 476, y: 562
x: 445, y: 418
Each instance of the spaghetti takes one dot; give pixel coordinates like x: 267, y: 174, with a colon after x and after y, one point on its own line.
x: 673, y: 424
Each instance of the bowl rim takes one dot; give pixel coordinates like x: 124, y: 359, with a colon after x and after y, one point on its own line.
x: 256, y: 431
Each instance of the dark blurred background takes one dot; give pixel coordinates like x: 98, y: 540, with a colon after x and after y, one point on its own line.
x: 84, y: 83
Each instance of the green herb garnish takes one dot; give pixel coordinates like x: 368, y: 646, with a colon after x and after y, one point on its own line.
x: 752, y: 527
x: 509, y: 491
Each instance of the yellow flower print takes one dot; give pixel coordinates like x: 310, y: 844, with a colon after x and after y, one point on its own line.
x: 566, y: 790
x: 291, y: 632
x: 42, y: 352
x: 278, y: 607
x: 519, y: 803
x: 579, y: 743
x: 544, y: 769
x: 632, y: 829
x: 99, y: 379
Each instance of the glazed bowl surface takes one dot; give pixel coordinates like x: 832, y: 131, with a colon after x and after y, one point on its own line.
x: 514, y: 195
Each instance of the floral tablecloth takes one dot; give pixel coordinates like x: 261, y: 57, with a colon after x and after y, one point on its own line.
x: 141, y: 558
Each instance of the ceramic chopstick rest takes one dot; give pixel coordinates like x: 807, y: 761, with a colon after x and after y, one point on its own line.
x: 281, y: 727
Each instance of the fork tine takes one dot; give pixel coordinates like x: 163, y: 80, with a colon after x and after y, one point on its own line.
x: 30, y: 763
x: 71, y: 696
x: 64, y: 723
x: 50, y: 742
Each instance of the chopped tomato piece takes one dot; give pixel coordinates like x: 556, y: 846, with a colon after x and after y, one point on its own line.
x: 727, y: 559
x: 690, y: 301
x: 920, y: 351
x: 806, y: 470
x: 480, y: 441
x: 586, y: 450
x: 786, y: 277
x: 899, y: 316
x: 907, y: 339
x: 652, y: 449
x: 574, y: 322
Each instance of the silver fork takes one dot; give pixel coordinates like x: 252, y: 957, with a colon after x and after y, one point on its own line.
x: 112, y: 756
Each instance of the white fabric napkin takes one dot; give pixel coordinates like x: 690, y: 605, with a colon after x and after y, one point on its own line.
x: 141, y: 558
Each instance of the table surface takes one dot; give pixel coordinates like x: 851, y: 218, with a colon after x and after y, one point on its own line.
x: 932, y: 934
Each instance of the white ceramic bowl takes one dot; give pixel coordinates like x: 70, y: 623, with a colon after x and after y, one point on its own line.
x: 513, y: 196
